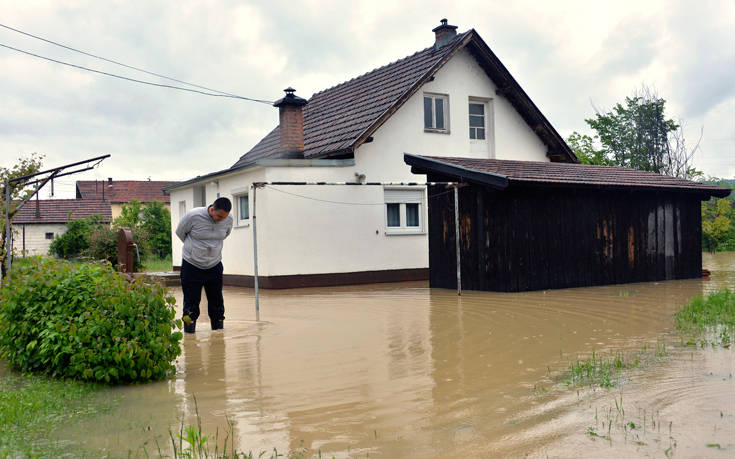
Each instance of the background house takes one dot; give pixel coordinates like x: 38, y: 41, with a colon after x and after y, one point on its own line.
x: 120, y: 192
x: 37, y: 223
x: 452, y: 98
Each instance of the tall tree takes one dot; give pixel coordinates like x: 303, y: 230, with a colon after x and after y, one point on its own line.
x: 637, y: 135
x: 19, y: 192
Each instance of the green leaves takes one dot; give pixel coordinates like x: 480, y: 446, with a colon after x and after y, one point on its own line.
x: 86, y: 322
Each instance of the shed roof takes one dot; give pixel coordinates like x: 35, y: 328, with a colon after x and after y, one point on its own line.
x: 57, y: 210
x: 500, y: 173
x: 123, y: 191
x: 339, y: 119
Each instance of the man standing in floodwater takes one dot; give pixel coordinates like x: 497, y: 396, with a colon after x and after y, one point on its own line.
x: 202, y: 231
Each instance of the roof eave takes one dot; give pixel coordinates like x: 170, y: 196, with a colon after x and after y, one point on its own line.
x: 422, y: 164
x: 200, y: 178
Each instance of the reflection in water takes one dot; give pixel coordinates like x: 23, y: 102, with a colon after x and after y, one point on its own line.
x: 401, y: 370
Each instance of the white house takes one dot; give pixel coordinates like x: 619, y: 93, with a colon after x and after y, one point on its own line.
x: 454, y: 98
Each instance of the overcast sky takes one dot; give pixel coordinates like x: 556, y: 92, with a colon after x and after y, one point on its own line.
x: 566, y: 55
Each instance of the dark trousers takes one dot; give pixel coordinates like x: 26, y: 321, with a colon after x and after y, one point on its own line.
x: 192, y: 281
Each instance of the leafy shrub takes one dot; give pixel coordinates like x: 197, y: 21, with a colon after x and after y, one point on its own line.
x: 156, y: 227
x: 103, y: 244
x: 87, y: 322
x: 75, y: 242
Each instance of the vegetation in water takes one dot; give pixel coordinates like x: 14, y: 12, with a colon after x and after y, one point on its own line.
x: 708, y: 320
x: 190, y: 442
x: 86, y: 321
x: 609, y: 370
x: 639, y: 427
x: 33, y: 407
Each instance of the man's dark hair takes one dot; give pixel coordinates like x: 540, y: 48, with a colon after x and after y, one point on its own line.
x: 222, y: 204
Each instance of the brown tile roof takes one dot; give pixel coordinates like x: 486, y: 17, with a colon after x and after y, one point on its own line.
x: 556, y: 174
x: 122, y: 191
x: 335, y: 118
x: 340, y: 118
x: 57, y: 210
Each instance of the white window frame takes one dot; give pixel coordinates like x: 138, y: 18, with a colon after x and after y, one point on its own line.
x: 236, y: 195
x: 433, y: 97
x: 486, y: 145
x: 182, y: 209
x: 403, y: 196
x: 485, y: 107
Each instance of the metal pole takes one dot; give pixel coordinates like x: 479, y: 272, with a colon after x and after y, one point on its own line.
x: 255, y: 258
x: 8, y: 248
x: 456, y: 239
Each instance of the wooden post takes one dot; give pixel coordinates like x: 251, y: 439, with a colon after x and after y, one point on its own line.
x: 255, y: 257
x: 456, y: 239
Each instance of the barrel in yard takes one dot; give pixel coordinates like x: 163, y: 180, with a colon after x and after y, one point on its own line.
x: 125, y: 250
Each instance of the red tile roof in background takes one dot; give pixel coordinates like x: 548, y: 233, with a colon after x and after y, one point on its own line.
x: 123, y: 191
x: 57, y: 210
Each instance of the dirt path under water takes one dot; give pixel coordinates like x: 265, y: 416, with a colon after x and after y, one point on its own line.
x: 401, y: 370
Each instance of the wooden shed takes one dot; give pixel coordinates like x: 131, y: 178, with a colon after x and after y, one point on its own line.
x: 541, y: 225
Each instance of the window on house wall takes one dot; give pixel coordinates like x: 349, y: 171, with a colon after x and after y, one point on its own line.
x: 478, y: 127
x: 243, y: 208
x: 49, y: 235
x: 182, y: 208
x: 200, y: 196
x: 403, y: 210
x: 436, y: 113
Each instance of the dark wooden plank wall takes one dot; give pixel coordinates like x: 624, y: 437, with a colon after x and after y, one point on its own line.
x: 540, y: 238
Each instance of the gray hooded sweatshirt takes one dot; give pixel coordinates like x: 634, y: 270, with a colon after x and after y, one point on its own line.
x: 202, y: 237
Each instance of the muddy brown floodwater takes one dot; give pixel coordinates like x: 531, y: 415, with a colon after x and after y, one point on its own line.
x: 402, y: 370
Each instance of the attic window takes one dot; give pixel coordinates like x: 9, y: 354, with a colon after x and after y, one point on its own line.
x: 436, y: 113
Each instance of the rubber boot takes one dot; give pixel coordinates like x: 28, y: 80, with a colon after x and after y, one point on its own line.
x: 217, y: 324
x: 190, y: 327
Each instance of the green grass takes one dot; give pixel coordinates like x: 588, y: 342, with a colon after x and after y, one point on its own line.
x: 33, y: 407
x: 154, y: 264
x: 599, y: 370
x: 708, y: 320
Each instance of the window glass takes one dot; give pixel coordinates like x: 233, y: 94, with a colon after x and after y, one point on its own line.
x: 428, y: 113
x: 435, y: 112
x: 412, y: 215
x: 394, y: 214
x: 244, y: 213
x: 439, y: 113
x: 477, y: 121
x: 49, y: 235
x: 477, y: 109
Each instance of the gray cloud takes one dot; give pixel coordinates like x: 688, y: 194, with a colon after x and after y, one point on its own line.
x: 256, y: 49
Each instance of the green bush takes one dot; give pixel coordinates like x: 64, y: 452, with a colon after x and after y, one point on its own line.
x: 75, y: 242
x: 87, y: 322
x: 103, y: 244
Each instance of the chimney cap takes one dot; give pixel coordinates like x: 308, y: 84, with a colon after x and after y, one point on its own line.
x: 443, y: 26
x: 290, y: 99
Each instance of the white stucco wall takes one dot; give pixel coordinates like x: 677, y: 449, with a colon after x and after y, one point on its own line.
x: 35, y: 237
x: 461, y: 79
x: 332, y: 229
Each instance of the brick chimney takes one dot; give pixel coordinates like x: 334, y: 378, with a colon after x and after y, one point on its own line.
x: 291, y: 121
x: 444, y: 34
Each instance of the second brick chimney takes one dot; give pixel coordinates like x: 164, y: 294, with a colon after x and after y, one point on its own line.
x: 444, y: 34
x: 291, y: 122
